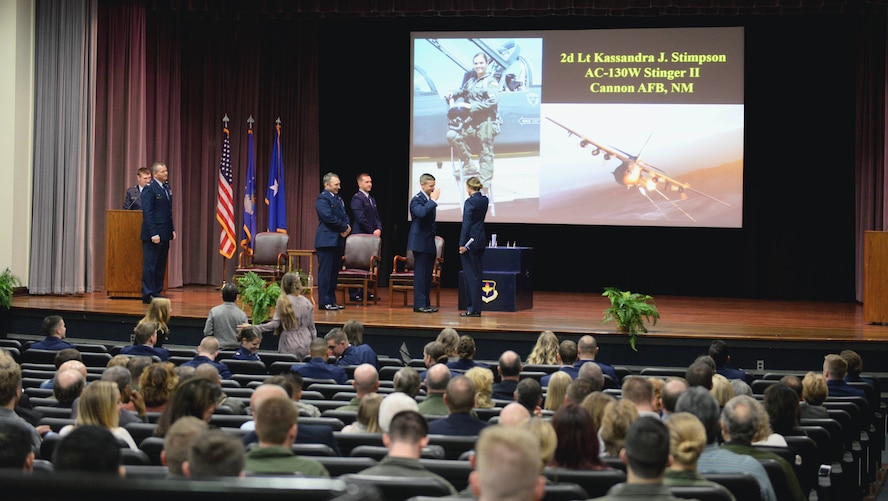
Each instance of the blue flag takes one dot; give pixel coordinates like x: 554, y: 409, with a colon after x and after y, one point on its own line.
x: 249, y: 229
x: 274, y: 195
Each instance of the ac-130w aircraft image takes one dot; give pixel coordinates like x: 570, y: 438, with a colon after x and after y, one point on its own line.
x: 644, y: 177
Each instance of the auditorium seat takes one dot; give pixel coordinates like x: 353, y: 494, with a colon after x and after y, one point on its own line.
x: 743, y: 486
x: 348, y: 441
x: 454, y: 445
x: 563, y: 491
x: 399, y: 488
x: 337, y: 466
x: 596, y: 483
x: 453, y: 470
x: 700, y: 492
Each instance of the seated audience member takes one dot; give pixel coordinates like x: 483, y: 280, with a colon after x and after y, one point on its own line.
x: 529, y: 393
x: 276, y: 426
x: 509, y: 369
x: 406, y: 380
x: 673, y: 387
x: 292, y: 383
x: 513, y: 414
x: 556, y: 391
x: 545, y: 351
x: 16, y: 450
x: 67, y: 386
x: 392, y: 404
x: 89, y: 448
x: 260, y: 394
x: 544, y: 431
x: 436, y: 386
x: 739, y: 421
x: 354, y: 332
x: 55, y: 331
x: 577, y: 447
x: 595, y: 404
x: 578, y: 389
x: 209, y: 372
x: 646, y: 457
x: 405, y: 438
x: 615, y: 422
x: 781, y: 404
x: 71, y: 359
x: 98, y: 407
x: 195, y: 396
x: 814, y: 392
x: 145, y: 335
x: 137, y: 364
x: 657, y: 384
x: 718, y: 350
x: 450, y: 339
x: 433, y: 353
x: 347, y: 354
x: 794, y: 383
x: 740, y: 387
x: 250, y: 339
x: 460, y: 400
x: 317, y: 367
x: 834, y: 370
x: 366, y: 381
x: 183, y: 372
x: 367, y: 420
x: 159, y: 313
x: 207, y: 351
x: 213, y: 454
x: 177, y: 443
x: 567, y: 355
x: 640, y: 392
x: 156, y: 385
x: 687, y: 439
x: 587, y: 351
x: 721, y: 389
x: 855, y: 367
x: 699, y: 373
x: 223, y: 319
x: 11, y: 393
x: 592, y: 372
x: 465, y: 356
x: 118, y: 360
x: 305, y: 434
x: 122, y: 378
x: 482, y: 378
x: 698, y: 401
x: 507, y: 466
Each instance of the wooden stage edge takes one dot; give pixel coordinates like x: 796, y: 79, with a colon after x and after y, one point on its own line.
x: 792, y: 335
x: 563, y: 313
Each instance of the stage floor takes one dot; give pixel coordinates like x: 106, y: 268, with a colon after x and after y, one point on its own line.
x: 568, y: 313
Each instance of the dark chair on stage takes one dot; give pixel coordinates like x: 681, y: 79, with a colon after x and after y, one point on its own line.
x: 401, y: 277
x: 267, y: 258
x: 360, y: 267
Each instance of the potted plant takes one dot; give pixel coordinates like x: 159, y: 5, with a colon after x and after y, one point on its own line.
x: 259, y: 294
x: 630, y: 310
x: 8, y: 283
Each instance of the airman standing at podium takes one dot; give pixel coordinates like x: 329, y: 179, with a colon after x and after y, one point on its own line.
x: 133, y: 198
x: 471, y: 245
x: 157, y: 231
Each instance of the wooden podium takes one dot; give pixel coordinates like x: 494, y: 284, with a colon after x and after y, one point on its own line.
x: 123, y: 253
x: 875, y: 272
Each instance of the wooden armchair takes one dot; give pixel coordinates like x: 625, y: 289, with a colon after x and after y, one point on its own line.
x: 401, y: 278
x: 360, y: 266
x: 268, y: 257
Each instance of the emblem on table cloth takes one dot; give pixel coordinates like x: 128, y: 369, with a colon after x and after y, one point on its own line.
x: 488, y: 291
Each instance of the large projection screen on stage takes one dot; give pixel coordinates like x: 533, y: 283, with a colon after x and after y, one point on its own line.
x: 626, y: 127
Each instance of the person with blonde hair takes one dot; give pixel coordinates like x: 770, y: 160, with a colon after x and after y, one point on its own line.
x: 98, y: 406
x: 814, y: 392
x: 545, y: 352
x: 293, y: 318
x: 687, y: 439
x: 507, y: 466
x: 367, y: 420
x: 556, y: 390
x: 483, y: 380
x: 160, y: 311
x: 542, y: 429
x: 721, y: 389
x: 618, y: 417
x: 450, y: 339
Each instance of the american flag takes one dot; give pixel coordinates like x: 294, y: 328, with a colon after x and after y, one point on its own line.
x: 225, y: 205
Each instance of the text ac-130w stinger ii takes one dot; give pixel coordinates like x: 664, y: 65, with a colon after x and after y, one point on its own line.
x: 636, y: 173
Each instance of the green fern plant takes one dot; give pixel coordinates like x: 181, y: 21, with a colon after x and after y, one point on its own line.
x: 630, y: 310
x: 259, y: 294
x: 8, y: 283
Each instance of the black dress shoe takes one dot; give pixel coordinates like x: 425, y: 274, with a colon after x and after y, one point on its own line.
x: 330, y: 307
x: 339, y: 306
x: 146, y: 300
x: 425, y: 309
x: 470, y: 314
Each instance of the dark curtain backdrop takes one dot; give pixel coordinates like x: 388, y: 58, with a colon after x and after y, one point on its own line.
x: 815, y: 135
